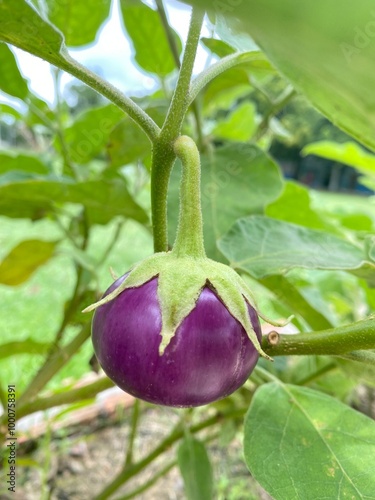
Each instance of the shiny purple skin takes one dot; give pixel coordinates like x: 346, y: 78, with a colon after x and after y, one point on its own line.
x: 209, y: 357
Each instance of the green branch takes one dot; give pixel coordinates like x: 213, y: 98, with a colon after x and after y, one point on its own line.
x: 113, y: 94
x: 335, y: 341
x: 219, y: 67
x: 62, y: 398
x: 53, y: 365
x: 180, y: 100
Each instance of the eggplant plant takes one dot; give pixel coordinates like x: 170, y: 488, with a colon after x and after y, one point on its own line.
x: 181, y: 327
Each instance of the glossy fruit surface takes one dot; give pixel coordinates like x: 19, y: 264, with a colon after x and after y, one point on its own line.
x: 209, y: 357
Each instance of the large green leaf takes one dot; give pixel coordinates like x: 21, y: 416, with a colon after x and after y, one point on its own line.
x: 196, y: 469
x: 22, y: 26
x: 263, y: 246
x: 11, y: 80
x: 144, y: 26
x: 89, y: 133
x: 103, y: 199
x: 237, y: 180
x: 326, y: 49
x: 24, y: 259
x: 300, y: 443
x: 78, y: 20
x: 284, y: 208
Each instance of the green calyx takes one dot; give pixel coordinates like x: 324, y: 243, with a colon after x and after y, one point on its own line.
x: 185, y: 271
x: 180, y: 282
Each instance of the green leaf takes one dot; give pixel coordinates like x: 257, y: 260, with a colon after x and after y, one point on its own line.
x: 5, y: 109
x: 89, y: 133
x: 239, y: 126
x: 237, y: 180
x: 11, y: 161
x: 22, y: 26
x: 11, y: 80
x: 284, y: 208
x: 262, y: 246
x: 78, y: 20
x: 325, y: 49
x: 300, y: 443
x: 289, y: 295
x: 217, y: 47
x: 103, y: 199
x: 361, y: 367
x: 24, y: 259
x: 127, y: 144
x: 152, y: 51
x: 196, y: 469
x: 348, y: 153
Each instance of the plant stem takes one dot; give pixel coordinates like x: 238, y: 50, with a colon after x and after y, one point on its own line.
x: 113, y: 94
x: 335, y: 341
x: 69, y: 168
x: 133, y: 432
x: 176, y: 434
x: 150, y: 482
x: 180, y: 100
x: 367, y: 357
x: 169, y: 33
x: 317, y: 374
x: 174, y: 50
x: 276, y: 106
x: 62, y: 398
x: 189, y: 238
x: 219, y: 67
x: 53, y: 364
x: 163, y: 158
x: 163, y: 154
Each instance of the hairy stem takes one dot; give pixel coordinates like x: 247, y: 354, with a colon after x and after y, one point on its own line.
x: 189, y: 238
x: 335, y: 341
x: 109, y: 91
x: 163, y: 154
x: 180, y: 100
x: 218, y: 68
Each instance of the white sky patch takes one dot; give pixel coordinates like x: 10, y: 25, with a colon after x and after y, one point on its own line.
x: 110, y: 56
